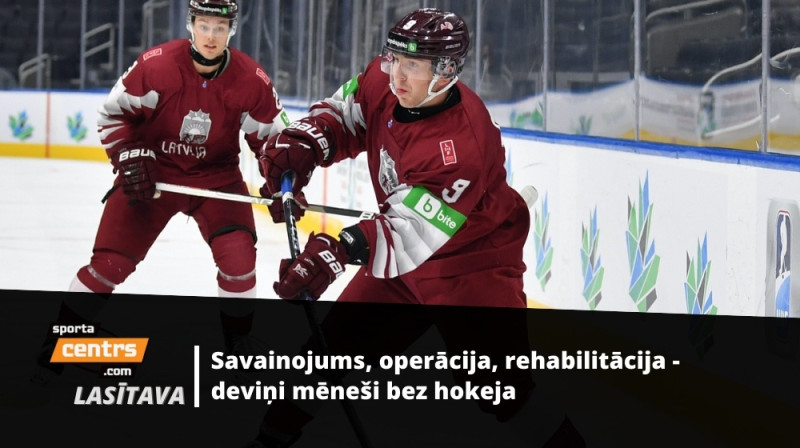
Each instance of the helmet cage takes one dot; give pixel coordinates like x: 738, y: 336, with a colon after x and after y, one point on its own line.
x: 441, y: 66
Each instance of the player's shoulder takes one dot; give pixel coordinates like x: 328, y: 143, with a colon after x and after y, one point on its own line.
x: 156, y: 66
x: 373, y: 82
x: 167, y: 50
x: 246, y: 68
x: 470, y: 129
x: 471, y: 100
x: 373, y: 72
x: 374, y: 65
x: 475, y: 111
x: 241, y: 59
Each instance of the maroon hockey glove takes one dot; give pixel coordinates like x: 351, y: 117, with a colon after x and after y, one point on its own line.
x: 318, y: 266
x: 298, y: 210
x: 138, y: 172
x: 299, y: 148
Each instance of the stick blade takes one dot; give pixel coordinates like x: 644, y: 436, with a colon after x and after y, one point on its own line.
x: 529, y: 194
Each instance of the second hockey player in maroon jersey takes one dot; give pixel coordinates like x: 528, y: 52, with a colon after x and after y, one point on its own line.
x: 175, y: 116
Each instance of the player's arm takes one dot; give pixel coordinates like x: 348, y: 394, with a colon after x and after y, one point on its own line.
x: 342, y: 117
x: 334, y: 130
x: 420, y: 220
x: 344, y: 112
x: 261, y: 122
x: 265, y: 116
x: 129, y: 103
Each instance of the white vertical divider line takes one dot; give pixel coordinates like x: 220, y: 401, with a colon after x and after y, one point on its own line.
x: 197, y: 376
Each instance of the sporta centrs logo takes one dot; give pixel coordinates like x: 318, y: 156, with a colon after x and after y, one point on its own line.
x: 82, y: 345
x: 99, y: 350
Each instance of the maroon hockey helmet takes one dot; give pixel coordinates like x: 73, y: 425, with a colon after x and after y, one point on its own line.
x: 227, y: 9
x: 434, y: 34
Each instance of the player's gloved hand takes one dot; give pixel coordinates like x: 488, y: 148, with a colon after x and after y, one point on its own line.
x: 321, y: 263
x: 300, y: 148
x: 138, y: 172
x: 298, y: 210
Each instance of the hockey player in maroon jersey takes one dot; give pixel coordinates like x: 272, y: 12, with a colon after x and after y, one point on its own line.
x: 451, y: 230
x: 450, y: 223
x: 174, y: 116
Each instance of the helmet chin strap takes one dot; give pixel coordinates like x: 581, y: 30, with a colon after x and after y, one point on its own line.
x: 200, y: 59
x: 431, y: 93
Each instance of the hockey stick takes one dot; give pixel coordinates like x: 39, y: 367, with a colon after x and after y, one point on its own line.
x: 201, y: 192
x: 308, y: 305
x: 528, y: 193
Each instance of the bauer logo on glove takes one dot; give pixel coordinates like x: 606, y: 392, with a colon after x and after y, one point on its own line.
x: 138, y: 172
x: 299, y: 148
x: 315, y: 133
x: 333, y: 262
x: 134, y: 153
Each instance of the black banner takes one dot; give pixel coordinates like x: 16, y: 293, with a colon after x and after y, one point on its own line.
x: 413, y: 375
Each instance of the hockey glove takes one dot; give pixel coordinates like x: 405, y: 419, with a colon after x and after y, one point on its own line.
x: 300, y: 148
x: 318, y: 266
x: 138, y: 172
x: 298, y: 210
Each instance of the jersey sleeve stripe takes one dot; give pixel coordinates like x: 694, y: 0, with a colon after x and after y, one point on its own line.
x: 404, y: 239
x: 343, y: 109
x: 261, y: 130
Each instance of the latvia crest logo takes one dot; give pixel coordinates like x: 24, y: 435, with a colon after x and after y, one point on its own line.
x: 195, y: 128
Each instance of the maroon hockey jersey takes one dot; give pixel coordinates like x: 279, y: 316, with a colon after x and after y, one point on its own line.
x: 440, y: 181
x: 191, y: 122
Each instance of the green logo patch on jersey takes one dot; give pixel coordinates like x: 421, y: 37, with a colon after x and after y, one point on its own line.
x: 350, y: 87
x: 434, y: 210
x: 285, y: 118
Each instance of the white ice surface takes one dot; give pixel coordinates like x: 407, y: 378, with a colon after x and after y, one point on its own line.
x: 49, y: 211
